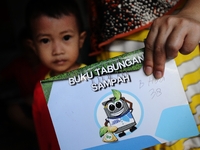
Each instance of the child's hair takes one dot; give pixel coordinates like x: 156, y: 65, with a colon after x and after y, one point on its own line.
x: 54, y: 9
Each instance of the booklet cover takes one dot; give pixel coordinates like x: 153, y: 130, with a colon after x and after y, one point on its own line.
x: 112, y: 104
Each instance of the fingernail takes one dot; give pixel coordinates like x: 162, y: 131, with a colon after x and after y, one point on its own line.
x: 148, y: 70
x: 158, y: 74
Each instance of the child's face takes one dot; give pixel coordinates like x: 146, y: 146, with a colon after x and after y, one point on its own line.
x: 57, y: 42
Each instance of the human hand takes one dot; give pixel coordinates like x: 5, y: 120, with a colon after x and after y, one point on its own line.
x: 169, y: 35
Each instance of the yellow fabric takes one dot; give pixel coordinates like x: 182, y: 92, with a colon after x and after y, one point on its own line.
x: 139, y: 36
x: 182, y: 58
x: 48, y: 74
x: 187, y: 80
x: 82, y: 65
x: 106, y: 55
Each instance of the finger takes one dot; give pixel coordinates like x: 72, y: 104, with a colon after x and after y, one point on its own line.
x: 159, y: 55
x: 149, y: 47
x: 174, y: 42
x: 192, y: 37
x: 159, y: 58
x: 183, y: 40
x: 189, y: 43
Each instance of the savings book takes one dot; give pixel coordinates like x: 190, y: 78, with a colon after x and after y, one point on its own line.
x: 112, y: 104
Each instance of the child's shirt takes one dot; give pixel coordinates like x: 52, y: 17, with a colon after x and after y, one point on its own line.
x: 46, y: 135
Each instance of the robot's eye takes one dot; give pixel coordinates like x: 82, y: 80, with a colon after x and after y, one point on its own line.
x: 119, y: 104
x: 111, y: 107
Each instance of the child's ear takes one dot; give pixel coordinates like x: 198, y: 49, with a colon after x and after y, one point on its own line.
x: 82, y: 39
x: 30, y: 43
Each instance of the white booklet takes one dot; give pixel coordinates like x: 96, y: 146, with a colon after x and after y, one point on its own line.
x: 112, y: 104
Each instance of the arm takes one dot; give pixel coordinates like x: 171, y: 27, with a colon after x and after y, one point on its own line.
x: 171, y: 34
x: 130, y: 103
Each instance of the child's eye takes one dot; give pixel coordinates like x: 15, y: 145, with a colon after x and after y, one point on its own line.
x: 66, y: 37
x: 44, y: 41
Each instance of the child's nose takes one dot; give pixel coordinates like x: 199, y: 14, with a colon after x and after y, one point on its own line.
x: 57, y: 48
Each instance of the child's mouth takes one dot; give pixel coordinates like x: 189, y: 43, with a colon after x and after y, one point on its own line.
x: 59, y: 62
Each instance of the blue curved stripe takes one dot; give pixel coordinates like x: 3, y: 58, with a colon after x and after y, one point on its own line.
x: 136, y: 143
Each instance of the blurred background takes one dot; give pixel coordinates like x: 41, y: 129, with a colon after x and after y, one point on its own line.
x: 16, y: 126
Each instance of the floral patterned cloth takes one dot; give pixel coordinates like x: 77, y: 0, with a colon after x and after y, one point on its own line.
x: 112, y: 19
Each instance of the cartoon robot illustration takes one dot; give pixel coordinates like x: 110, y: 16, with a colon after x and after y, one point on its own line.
x: 119, y: 114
